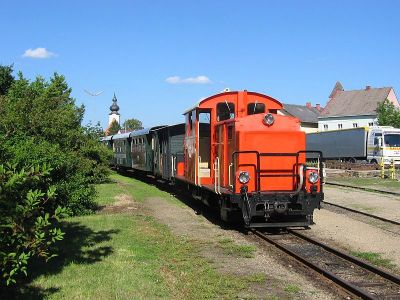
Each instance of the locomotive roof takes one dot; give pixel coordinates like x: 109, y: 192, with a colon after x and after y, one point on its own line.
x: 229, y: 93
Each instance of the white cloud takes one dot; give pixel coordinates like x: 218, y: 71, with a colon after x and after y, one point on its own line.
x: 38, y: 53
x: 191, y: 80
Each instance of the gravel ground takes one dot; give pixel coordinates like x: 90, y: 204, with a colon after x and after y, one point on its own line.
x: 383, y: 205
x: 280, y: 272
x: 355, y: 235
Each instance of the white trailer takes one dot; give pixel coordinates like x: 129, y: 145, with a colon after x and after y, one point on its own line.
x: 372, y: 144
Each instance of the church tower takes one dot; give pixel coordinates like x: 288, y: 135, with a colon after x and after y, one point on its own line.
x: 114, y: 114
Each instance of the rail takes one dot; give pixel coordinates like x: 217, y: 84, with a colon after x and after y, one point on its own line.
x: 362, y: 213
x: 334, y: 264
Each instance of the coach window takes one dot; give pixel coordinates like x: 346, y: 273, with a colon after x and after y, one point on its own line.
x: 225, y: 111
x: 255, y: 108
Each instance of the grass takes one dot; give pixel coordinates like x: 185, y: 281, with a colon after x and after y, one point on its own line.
x: 131, y: 256
x: 257, y: 278
x: 375, y: 259
x: 373, y: 183
x: 139, y: 190
x: 237, y: 250
x: 292, y: 289
x: 364, y: 208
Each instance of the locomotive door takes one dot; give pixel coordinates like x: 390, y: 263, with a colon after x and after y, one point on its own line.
x: 190, y: 153
x: 219, y: 150
x: 224, y: 147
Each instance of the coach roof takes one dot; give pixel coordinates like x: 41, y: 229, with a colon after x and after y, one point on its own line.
x: 144, y: 131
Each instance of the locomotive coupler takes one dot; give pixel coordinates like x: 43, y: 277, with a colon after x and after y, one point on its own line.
x: 280, y: 207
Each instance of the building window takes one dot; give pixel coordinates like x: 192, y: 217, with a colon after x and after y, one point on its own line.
x: 355, y: 125
x: 255, y: 108
x: 339, y: 126
x: 325, y: 126
x: 371, y: 124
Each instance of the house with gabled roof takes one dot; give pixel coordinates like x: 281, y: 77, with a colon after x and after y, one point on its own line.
x: 356, y: 108
x: 307, y: 114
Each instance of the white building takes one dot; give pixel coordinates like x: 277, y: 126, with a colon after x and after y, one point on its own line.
x: 351, y: 109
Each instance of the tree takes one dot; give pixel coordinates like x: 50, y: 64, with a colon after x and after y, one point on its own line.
x: 132, y: 124
x: 6, y: 78
x: 388, y: 114
x: 48, y: 160
x: 41, y: 124
x: 113, y: 128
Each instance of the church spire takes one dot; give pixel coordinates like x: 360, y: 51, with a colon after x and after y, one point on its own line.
x: 114, y: 107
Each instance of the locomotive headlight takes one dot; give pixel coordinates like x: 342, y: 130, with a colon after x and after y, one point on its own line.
x: 313, y: 177
x: 269, y: 119
x: 244, y: 177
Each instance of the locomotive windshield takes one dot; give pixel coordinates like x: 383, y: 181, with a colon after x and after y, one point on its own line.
x: 392, y: 140
x: 225, y: 111
x: 255, y: 108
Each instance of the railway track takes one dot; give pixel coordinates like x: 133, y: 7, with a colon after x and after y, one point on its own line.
x: 363, y: 188
x: 362, y: 213
x: 358, y: 277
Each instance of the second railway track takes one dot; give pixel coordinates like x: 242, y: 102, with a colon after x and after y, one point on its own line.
x: 356, y: 276
x: 361, y: 213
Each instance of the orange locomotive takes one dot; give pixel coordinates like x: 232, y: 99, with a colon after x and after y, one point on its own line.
x: 241, y: 155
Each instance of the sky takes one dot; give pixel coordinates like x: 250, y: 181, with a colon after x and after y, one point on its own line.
x: 161, y: 57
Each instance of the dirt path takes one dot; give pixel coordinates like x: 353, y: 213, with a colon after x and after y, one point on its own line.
x: 386, y: 206
x: 282, y: 281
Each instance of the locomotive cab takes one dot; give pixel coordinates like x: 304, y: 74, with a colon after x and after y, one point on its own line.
x: 241, y: 155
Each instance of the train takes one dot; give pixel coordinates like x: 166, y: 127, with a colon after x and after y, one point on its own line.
x: 234, y: 152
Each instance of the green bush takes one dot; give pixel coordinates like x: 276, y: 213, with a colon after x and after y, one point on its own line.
x: 41, y: 124
x: 28, y: 219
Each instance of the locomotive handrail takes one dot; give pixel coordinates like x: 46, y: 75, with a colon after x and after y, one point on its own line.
x: 320, y: 166
x: 271, y: 154
x: 230, y: 175
x: 217, y: 179
x: 235, y: 153
x: 198, y: 170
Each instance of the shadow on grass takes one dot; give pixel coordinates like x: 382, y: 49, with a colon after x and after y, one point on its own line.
x: 210, y: 213
x: 79, y: 247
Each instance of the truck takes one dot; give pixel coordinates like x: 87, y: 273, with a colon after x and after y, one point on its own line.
x: 370, y: 144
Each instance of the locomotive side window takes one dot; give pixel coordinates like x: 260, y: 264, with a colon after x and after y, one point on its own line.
x: 255, y: 108
x: 225, y: 111
x: 191, y: 119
